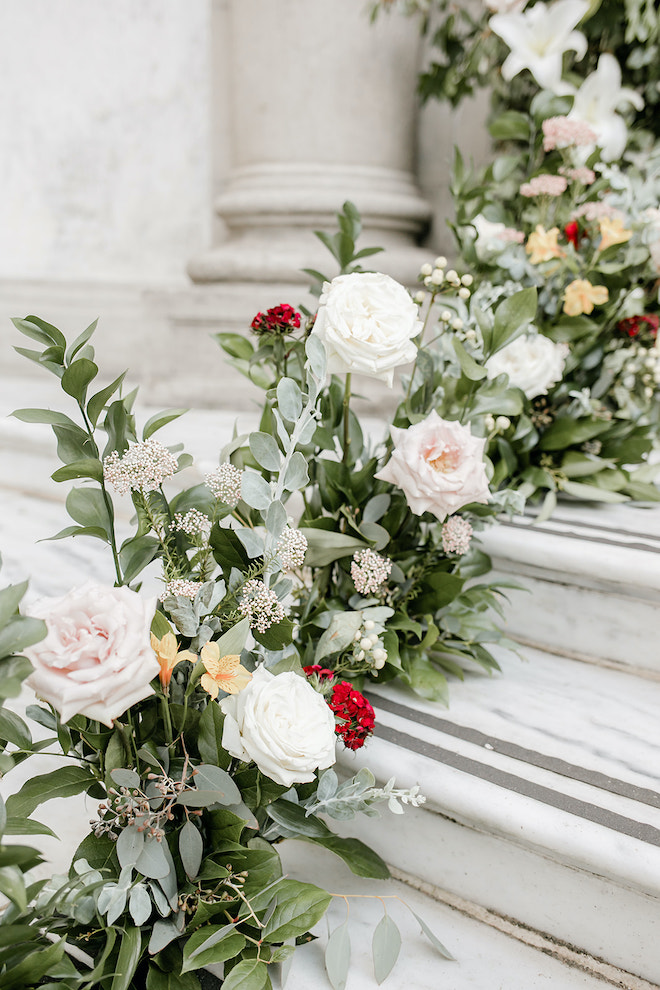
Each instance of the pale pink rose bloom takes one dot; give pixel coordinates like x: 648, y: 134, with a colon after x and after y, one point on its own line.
x: 438, y: 464
x: 96, y: 659
x: 282, y: 724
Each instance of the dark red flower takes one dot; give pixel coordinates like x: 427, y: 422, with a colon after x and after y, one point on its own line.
x: 278, y: 320
x: 322, y: 673
x: 572, y: 233
x: 636, y: 326
x: 354, y: 714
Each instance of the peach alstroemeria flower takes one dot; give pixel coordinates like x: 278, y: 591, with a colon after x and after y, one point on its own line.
x: 612, y: 232
x: 542, y: 245
x: 168, y: 656
x: 223, y: 673
x: 581, y: 297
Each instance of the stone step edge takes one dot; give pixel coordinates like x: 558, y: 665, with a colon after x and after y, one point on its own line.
x: 565, y: 953
x: 647, y: 673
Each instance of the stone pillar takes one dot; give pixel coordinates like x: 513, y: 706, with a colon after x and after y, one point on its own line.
x: 322, y: 108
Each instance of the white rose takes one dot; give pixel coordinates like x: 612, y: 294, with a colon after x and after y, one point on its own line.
x: 533, y: 363
x: 97, y: 658
x: 439, y: 466
x: 282, y: 724
x: 367, y: 322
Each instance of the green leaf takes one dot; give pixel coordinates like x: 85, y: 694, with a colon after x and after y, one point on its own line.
x: 235, y: 345
x: 249, y: 974
x: 43, y: 416
x: 386, y: 945
x: 14, y: 730
x: 510, y: 126
x: 360, y: 858
x: 435, y: 942
x: 159, y: 420
x: 29, y: 972
x: 63, y: 782
x: 209, y: 736
x: 13, y: 887
x: 98, y: 401
x: 10, y: 599
x: 19, y: 633
x: 475, y: 372
x: 566, y: 431
x: 136, y: 554
x: 89, y: 467
x: 77, y: 377
x: 80, y: 341
x: 265, y: 451
x: 255, y: 490
x: 338, y: 956
x: 157, y: 980
x: 512, y: 317
x: 426, y: 681
x: 289, y: 399
x: 232, y: 642
x: 87, y: 507
x: 210, y: 945
x: 27, y: 826
x: 298, y: 908
x: 296, y: 475
x: 325, y: 546
x: 191, y: 848
x: 591, y: 493
x: 130, y: 952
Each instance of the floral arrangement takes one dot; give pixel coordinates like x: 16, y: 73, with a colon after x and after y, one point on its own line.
x: 380, y: 548
x: 518, y: 48
x: 188, y: 716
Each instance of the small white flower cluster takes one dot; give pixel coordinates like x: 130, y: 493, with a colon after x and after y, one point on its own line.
x: 392, y: 794
x: 456, y: 535
x: 261, y: 606
x: 142, y: 468
x: 367, y: 647
x: 180, y: 587
x: 291, y: 549
x: 641, y: 367
x: 499, y: 425
x: 369, y: 571
x: 225, y: 483
x: 193, y: 523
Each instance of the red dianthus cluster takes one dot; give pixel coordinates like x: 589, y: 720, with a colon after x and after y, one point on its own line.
x: 280, y: 319
x: 355, y: 718
x: 636, y: 326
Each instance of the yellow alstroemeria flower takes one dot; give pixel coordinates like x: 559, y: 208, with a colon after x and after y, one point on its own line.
x: 612, y: 232
x: 542, y: 245
x: 581, y: 297
x: 168, y: 656
x: 223, y: 673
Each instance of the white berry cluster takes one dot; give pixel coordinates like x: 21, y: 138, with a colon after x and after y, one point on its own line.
x: 367, y: 647
x: 142, y: 468
x: 225, y: 483
x: 456, y: 535
x: 291, y: 549
x: 182, y: 588
x: 193, y: 523
x: 369, y: 571
x: 261, y: 606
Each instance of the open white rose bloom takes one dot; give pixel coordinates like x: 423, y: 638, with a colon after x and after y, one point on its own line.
x: 534, y: 363
x: 367, y: 322
x: 281, y: 723
x: 97, y: 658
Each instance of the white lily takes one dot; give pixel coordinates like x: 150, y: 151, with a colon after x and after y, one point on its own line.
x: 596, y: 103
x: 538, y: 38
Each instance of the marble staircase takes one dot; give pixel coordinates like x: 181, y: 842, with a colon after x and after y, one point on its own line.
x: 536, y: 858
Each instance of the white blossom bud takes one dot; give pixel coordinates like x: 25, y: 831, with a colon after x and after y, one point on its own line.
x: 457, y: 323
x: 467, y: 279
x: 369, y: 625
x: 419, y: 297
x: 440, y: 261
x: 489, y: 422
x: 445, y: 316
x: 366, y: 643
x: 452, y: 276
x: 464, y: 293
x: 438, y: 276
x: 426, y: 269
x: 502, y: 423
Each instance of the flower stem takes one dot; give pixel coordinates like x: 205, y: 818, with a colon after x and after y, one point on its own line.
x: 347, y: 402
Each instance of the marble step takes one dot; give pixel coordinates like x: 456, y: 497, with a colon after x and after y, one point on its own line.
x: 591, y: 579
x: 543, y: 790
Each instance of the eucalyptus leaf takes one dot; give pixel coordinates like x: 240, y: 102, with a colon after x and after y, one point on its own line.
x: 386, y: 945
x: 338, y: 957
x: 191, y: 848
x: 265, y: 451
x: 289, y: 399
x: 255, y: 490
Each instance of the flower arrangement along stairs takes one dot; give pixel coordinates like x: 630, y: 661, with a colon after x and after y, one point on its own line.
x: 543, y: 787
x: 543, y: 795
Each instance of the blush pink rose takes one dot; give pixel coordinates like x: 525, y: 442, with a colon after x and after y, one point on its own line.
x: 438, y: 465
x: 97, y: 658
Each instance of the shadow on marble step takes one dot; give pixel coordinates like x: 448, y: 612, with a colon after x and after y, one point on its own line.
x: 540, y: 824
x: 593, y: 583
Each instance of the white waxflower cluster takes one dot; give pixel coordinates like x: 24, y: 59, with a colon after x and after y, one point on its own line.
x: 261, y: 606
x: 291, y: 549
x: 367, y: 647
x: 392, y: 794
x: 142, y: 468
x: 369, y: 571
x: 225, y: 483
x: 193, y: 523
x: 456, y: 535
x: 182, y: 588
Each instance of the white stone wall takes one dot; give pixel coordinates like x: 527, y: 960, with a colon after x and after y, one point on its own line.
x: 105, y: 172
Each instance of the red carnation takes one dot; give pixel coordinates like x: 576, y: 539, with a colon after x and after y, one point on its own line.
x: 278, y: 320
x: 322, y: 673
x: 355, y: 716
x: 634, y: 326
